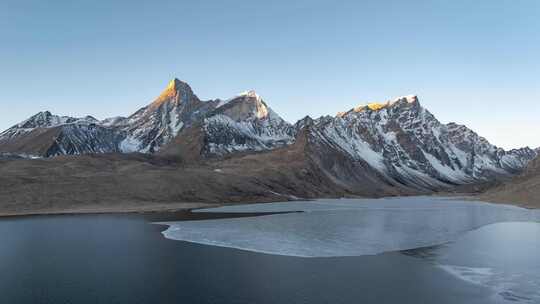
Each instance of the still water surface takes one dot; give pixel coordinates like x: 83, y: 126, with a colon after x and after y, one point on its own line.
x: 125, y: 259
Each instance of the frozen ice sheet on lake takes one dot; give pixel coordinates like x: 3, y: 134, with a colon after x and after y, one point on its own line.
x: 404, y: 202
x: 346, y: 227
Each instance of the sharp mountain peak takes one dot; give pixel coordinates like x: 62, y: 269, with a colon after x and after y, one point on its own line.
x: 176, y: 91
x: 398, y: 138
x: 176, y: 84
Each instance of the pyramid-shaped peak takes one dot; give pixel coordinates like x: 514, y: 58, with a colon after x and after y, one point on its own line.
x: 42, y: 114
x: 177, y: 91
x: 304, y: 122
x: 178, y: 85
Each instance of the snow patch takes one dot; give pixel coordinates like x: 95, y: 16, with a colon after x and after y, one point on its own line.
x: 129, y: 145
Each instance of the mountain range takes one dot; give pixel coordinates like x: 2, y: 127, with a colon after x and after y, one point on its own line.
x: 395, y: 147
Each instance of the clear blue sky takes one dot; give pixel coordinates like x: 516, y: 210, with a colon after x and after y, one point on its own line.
x: 473, y: 62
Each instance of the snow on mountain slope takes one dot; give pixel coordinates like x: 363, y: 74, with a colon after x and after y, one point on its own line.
x: 479, y: 157
x: 77, y: 139
x: 43, y: 119
x: 406, y: 143
x: 245, y: 123
x: 400, y: 140
x: 241, y: 123
x: 157, y: 124
x: 45, y: 135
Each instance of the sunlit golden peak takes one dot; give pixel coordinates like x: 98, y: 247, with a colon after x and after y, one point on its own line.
x: 173, y: 84
x: 377, y: 106
x: 172, y: 92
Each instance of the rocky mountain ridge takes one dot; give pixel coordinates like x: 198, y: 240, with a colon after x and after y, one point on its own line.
x: 245, y: 123
x: 398, y: 142
x: 407, y: 144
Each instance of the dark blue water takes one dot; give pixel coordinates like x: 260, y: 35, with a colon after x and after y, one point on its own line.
x: 125, y: 259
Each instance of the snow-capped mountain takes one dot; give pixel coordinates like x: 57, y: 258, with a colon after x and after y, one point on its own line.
x: 245, y: 123
x: 158, y: 123
x: 43, y: 119
x: 45, y: 135
x: 398, y: 142
x: 146, y: 131
x: 407, y: 144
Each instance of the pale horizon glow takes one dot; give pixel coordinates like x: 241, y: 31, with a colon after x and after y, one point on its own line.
x: 473, y: 63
